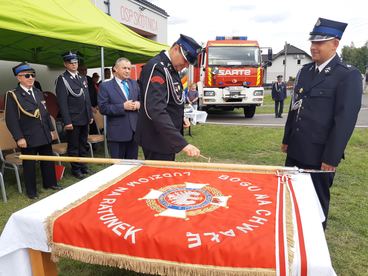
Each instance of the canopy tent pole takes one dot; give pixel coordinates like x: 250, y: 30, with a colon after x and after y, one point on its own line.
x: 104, y: 117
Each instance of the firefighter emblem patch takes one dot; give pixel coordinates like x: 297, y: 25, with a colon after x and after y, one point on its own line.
x: 184, y: 200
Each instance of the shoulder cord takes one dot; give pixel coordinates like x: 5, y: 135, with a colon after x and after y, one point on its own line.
x: 70, y: 90
x: 36, y: 114
x: 171, y: 88
x: 145, y: 92
x: 293, y: 96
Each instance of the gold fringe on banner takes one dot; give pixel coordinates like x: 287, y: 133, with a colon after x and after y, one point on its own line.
x: 157, y: 267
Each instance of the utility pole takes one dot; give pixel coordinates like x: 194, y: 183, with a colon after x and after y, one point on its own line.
x: 285, y: 58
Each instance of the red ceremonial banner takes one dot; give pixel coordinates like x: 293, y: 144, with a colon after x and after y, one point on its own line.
x: 182, y: 221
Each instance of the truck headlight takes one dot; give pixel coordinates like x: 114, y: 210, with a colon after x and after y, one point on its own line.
x: 258, y: 93
x: 209, y: 93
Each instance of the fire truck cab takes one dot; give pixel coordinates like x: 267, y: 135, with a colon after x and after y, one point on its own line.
x: 230, y: 73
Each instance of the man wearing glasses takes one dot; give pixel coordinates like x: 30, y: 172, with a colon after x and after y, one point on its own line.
x: 76, y: 111
x: 29, y: 123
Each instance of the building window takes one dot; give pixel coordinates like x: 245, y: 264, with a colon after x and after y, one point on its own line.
x: 298, y: 61
x: 283, y: 62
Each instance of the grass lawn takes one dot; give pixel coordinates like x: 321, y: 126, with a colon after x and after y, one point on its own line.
x: 347, y: 231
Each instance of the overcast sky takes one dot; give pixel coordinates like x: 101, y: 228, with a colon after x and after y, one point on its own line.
x: 270, y: 22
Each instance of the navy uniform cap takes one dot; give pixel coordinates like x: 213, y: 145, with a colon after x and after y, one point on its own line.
x: 189, y: 48
x: 21, y: 68
x: 70, y: 56
x: 326, y: 29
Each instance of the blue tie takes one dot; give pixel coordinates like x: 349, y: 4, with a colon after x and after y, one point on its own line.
x: 126, y: 88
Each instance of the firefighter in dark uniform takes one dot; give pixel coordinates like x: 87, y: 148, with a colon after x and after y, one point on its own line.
x: 279, y: 95
x: 324, y: 109
x: 76, y: 112
x: 29, y: 123
x: 161, y: 116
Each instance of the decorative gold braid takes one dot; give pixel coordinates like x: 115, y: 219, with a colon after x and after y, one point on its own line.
x: 36, y: 114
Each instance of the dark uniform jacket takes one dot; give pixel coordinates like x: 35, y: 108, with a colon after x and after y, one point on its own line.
x: 160, y: 119
x: 278, y: 91
x: 121, y: 123
x: 36, y: 131
x: 74, y: 110
x: 320, y: 129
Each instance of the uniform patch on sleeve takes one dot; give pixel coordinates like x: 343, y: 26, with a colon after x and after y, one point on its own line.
x: 157, y: 79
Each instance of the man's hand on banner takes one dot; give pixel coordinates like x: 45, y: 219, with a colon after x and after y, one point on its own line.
x: 191, y: 150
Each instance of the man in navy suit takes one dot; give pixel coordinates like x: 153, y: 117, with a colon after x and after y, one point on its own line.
x: 324, y: 109
x: 118, y: 99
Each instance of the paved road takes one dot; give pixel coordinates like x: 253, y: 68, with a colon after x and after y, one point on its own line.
x: 269, y: 120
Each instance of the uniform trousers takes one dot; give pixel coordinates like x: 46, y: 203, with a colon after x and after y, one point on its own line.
x: 77, y: 145
x: 151, y: 155
x: 29, y: 169
x: 321, y: 182
x: 279, y: 108
x: 123, y: 150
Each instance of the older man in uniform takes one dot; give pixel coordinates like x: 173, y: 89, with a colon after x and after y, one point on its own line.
x: 324, y: 109
x: 161, y: 118
x: 29, y: 123
x: 75, y: 108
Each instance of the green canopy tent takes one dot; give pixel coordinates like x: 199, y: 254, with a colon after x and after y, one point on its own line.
x: 39, y: 31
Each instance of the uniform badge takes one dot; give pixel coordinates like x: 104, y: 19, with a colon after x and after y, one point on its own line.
x: 327, y: 70
x: 158, y: 80
x: 301, y: 90
x: 318, y: 22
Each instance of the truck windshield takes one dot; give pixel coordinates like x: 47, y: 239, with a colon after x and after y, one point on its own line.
x: 233, y: 56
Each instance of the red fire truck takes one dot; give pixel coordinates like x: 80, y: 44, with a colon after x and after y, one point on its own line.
x: 229, y: 74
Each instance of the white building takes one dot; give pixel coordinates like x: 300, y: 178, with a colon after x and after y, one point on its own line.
x: 141, y: 16
x: 295, y: 59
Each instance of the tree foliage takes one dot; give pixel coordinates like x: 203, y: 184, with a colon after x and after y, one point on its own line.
x: 356, y: 56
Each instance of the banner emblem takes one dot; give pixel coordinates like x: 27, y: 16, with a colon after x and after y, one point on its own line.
x: 183, y: 200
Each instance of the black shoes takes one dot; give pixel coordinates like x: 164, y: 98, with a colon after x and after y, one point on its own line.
x: 86, y: 171
x: 278, y: 116
x: 33, y: 196
x: 56, y: 187
x: 78, y: 174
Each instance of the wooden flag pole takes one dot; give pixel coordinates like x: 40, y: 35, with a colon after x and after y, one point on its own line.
x: 236, y: 167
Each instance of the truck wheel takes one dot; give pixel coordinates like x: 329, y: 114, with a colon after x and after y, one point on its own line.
x: 249, y: 111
